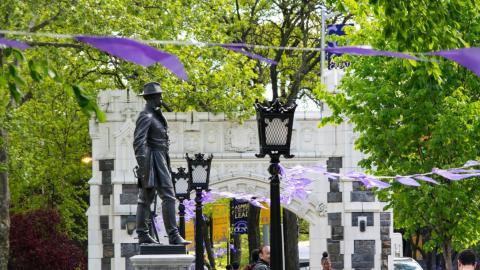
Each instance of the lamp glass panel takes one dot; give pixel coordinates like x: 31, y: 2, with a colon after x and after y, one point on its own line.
x: 276, y: 131
x: 131, y: 225
x: 199, y: 174
x: 181, y: 185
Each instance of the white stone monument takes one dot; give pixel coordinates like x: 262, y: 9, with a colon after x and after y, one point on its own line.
x: 344, y: 220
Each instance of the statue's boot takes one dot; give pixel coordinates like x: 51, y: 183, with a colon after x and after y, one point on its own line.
x: 169, y: 219
x: 144, y: 236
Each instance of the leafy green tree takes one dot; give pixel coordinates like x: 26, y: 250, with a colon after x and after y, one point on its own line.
x: 220, y: 80
x: 414, y: 116
x: 48, y: 137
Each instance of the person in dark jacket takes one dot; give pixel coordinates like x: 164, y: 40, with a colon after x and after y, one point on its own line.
x: 151, y: 151
x: 253, y: 259
x: 264, y: 262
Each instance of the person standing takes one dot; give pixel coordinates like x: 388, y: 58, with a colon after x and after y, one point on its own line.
x: 467, y: 260
x: 151, y: 152
x: 264, y: 259
x: 253, y: 260
x: 326, y: 264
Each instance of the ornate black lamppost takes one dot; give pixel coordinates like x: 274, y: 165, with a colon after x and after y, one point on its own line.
x: 275, y: 124
x: 199, y: 178
x: 182, y: 191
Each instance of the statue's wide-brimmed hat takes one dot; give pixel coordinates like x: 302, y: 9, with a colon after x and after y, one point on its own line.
x: 151, y: 88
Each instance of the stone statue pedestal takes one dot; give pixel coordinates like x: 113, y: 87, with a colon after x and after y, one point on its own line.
x: 162, y: 262
x: 155, y: 249
x: 162, y: 257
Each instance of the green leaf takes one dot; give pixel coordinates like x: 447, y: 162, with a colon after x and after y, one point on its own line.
x: 15, y: 92
x: 18, y: 55
x: 7, y: 51
x: 412, y: 62
x: 3, y: 81
x: 83, y: 101
x: 36, y: 76
x: 87, y: 104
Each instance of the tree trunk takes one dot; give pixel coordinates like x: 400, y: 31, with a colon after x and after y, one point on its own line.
x: 208, y: 243
x: 253, y: 228
x: 236, y: 254
x: 433, y: 258
x: 290, y: 239
x: 447, y: 254
x: 4, y: 202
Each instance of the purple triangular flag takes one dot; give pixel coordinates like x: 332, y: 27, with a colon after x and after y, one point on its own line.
x: 408, y: 181
x: 256, y: 203
x: 426, y: 179
x: 371, y: 182
x: 14, y: 44
x: 136, y: 52
x: 467, y: 57
x: 370, y: 52
x: 239, y: 48
x: 471, y: 163
x: 453, y: 176
x: 460, y: 170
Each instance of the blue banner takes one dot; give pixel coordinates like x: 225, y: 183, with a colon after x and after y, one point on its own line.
x: 239, y: 216
x: 336, y: 29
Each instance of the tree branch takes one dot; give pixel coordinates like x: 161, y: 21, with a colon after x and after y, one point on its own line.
x: 238, y: 10
x: 45, y: 22
x: 56, y: 45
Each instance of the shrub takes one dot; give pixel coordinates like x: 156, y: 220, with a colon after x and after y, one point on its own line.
x: 37, y: 242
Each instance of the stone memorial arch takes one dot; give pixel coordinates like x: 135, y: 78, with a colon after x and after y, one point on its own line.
x: 335, y: 209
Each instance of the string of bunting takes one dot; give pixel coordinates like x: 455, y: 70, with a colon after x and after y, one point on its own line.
x: 295, y: 184
x: 138, y: 52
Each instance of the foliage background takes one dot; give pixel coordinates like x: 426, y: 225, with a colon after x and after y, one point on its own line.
x: 414, y: 116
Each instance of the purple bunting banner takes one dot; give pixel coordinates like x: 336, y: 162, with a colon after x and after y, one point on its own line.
x: 136, y: 52
x: 467, y: 57
x: 408, y: 181
x: 14, y: 44
x: 471, y: 163
x: 452, y: 175
x: 239, y: 48
x: 142, y: 54
x: 426, y: 179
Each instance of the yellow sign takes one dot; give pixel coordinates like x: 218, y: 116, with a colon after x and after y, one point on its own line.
x: 265, y: 215
x: 190, y: 232
x: 221, y: 222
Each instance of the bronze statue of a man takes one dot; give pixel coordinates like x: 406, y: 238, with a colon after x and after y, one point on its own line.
x: 151, y: 151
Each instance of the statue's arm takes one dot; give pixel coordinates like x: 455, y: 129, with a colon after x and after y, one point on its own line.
x: 140, y: 138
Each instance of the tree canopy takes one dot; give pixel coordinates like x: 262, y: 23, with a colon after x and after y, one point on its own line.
x: 414, y: 116
x: 40, y: 86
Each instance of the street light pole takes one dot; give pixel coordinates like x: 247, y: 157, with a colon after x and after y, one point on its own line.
x: 182, y: 188
x: 199, y: 178
x: 199, y: 263
x: 322, y: 46
x: 181, y: 217
x: 275, y: 124
x: 275, y: 227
